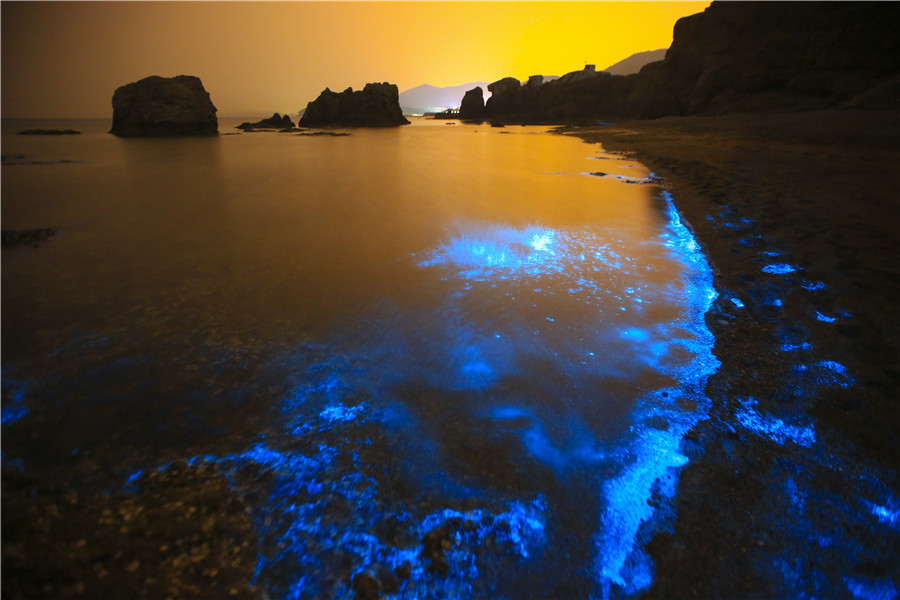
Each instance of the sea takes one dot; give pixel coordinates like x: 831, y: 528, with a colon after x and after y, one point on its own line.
x: 492, y: 335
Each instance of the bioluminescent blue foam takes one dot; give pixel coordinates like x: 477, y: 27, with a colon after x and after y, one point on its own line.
x: 570, y: 351
x: 885, y: 514
x: 779, y: 268
x: 773, y: 428
x: 737, y: 302
x: 656, y: 453
x: 825, y: 372
x: 786, y: 347
x: 13, y: 411
x: 813, y: 286
x: 863, y: 588
x: 301, y: 522
x: 825, y: 318
x: 338, y: 413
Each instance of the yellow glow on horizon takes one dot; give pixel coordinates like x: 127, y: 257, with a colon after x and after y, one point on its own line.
x: 66, y: 58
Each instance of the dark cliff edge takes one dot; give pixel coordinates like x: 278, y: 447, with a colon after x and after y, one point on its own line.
x: 163, y: 106
x: 376, y: 105
x: 733, y: 57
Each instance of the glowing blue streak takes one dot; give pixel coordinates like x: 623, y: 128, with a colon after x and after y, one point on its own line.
x: 12, y: 412
x: 773, y: 428
x: 779, y: 269
x: 884, y: 514
x: 656, y: 453
x: 871, y: 589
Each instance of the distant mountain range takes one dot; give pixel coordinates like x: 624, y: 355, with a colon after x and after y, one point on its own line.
x: 636, y: 62
x: 429, y: 98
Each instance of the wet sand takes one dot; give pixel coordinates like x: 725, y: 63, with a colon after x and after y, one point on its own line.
x: 793, y: 479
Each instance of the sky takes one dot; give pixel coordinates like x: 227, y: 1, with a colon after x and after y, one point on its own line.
x: 65, y: 59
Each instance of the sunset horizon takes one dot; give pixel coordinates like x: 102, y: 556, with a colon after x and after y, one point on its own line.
x: 65, y: 59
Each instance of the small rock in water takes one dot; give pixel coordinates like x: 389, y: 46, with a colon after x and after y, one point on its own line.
x: 366, y: 586
x: 26, y: 236
x: 403, y: 571
x: 49, y: 132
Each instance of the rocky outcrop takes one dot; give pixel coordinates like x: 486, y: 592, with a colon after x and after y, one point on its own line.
x: 752, y: 56
x: 26, y: 237
x: 734, y: 57
x: 161, y: 106
x: 506, y: 97
x: 276, y: 121
x: 376, y: 105
x: 472, y: 105
x: 49, y: 132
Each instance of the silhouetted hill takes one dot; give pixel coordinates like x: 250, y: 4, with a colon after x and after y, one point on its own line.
x: 430, y: 98
x: 735, y: 57
x: 636, y: 62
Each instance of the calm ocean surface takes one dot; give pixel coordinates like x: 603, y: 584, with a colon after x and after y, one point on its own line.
x: 494, y: 331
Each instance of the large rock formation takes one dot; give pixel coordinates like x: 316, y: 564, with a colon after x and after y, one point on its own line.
x: 751, y: 56
x: 734, y: 57
x: 506, y: 97
x: 472, y: 105
x: 161, y: 106
x: 376, y: 105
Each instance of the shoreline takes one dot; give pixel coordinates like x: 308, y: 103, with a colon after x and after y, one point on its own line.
x: 797, y: 215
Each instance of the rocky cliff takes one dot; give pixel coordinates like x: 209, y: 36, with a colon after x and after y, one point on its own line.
x: 735, y: 57
x: 161, y: 106
x: 376, y: 105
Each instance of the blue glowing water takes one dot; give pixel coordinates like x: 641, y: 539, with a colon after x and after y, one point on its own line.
x: 374, y: 338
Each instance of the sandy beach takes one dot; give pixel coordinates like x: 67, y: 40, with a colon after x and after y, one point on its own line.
x: 798, y: 215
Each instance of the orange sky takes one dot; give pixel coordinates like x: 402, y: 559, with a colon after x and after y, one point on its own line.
x: 65, y: 59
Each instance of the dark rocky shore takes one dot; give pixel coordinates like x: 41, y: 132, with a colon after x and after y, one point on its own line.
x: 763, y: 511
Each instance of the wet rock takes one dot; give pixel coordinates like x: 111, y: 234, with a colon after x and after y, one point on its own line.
x: 439, y: 566
x: 329, y: 133
x: 376, y: 105
x: 25, y: 237
x: 403, y: 571
x: 436, y: 542
x: 49, y: 132
x: 366, y: 586
x: 388, y: 580
x: 161, y: 106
